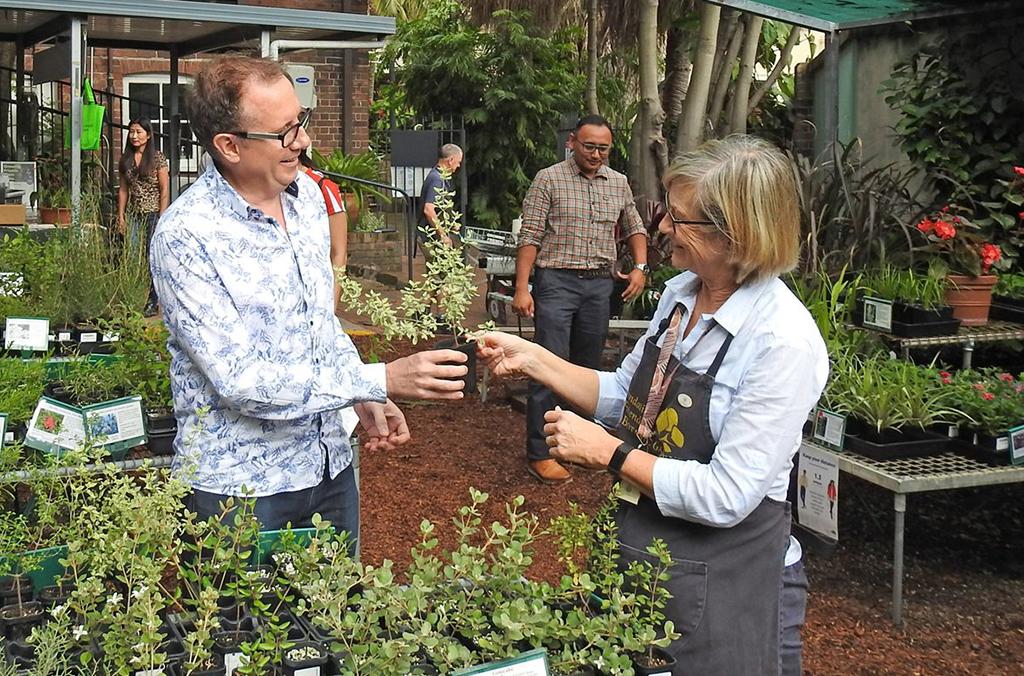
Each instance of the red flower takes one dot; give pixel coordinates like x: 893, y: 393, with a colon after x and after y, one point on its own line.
x: 979, y: 386
x: 946, y: 377
x: 944, y: 230
x: 988, y: 396
x: 926, y: 225
x: 1019, y: 171
x: 1006, y: 377
x: 1021, y: 215
x: 990, y: 253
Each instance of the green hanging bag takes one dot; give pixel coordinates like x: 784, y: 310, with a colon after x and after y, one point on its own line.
x: 92, y: 120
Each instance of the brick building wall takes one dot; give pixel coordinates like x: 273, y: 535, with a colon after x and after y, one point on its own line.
x: 108, y: 69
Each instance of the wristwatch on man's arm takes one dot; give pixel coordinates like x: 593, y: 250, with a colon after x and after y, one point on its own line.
x: 642, y: 267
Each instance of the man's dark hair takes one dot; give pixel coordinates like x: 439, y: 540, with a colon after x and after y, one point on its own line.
x: 596, y: 120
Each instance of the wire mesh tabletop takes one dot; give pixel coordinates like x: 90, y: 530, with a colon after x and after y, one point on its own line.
x: 929, y: 473
x: 991, y: 332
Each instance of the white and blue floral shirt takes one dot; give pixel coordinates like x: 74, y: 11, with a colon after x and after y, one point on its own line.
x: 260, y: 366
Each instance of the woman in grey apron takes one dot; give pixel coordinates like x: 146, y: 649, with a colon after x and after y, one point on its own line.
x: 707, y: 408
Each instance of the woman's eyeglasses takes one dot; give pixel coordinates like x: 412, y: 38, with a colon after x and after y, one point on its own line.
x: 684, y: 221
x: 286, y: 137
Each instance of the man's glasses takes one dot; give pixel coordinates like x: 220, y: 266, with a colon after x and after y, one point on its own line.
x: 594, y: 148
x: 684, y: 221
x: 286, y: 137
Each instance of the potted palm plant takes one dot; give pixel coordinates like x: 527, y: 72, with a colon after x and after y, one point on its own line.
x: 365, y: 165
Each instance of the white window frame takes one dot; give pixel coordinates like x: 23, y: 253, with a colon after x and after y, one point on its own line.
x: 186, y: 166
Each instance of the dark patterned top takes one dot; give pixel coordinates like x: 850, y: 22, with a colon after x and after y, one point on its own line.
x: 571, y: 218
x: 144, y: 189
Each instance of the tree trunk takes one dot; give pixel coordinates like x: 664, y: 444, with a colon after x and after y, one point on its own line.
x: 647, y: 133
x: 591, y: 97
x: 741, y: 92
x: 691, y: 123
x: 677, y: 74
x: 784, y: 58
x: 724, y: 78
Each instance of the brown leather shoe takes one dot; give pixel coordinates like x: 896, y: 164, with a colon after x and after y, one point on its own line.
x: 548, y: 471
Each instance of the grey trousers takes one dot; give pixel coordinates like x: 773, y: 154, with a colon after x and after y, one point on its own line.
x: 571, y: 321
x: 792, y: 611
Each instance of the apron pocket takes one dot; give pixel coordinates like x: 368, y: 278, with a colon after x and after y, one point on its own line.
x: 688, y: 584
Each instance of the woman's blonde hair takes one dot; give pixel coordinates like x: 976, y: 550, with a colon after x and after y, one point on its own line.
x: 745, y: 185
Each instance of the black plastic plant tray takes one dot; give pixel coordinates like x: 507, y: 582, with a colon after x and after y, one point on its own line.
x: 911, y: 445
x: 925, y: 329
x: 1006, y: 312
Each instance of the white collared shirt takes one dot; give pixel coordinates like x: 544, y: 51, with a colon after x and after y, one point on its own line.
x: 772, y: 375
x: 254, y: 341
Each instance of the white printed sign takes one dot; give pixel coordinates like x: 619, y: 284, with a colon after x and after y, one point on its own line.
x: 27, y: 333
x: 818, y: 490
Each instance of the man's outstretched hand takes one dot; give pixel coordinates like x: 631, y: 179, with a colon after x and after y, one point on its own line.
x: 427, y: 375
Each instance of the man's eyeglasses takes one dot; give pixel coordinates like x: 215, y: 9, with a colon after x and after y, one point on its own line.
x: 684, y: 221
x: 594, y: 148
x: 286, y: 137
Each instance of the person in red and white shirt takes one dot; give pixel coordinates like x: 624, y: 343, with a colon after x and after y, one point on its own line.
x: 337, y: 216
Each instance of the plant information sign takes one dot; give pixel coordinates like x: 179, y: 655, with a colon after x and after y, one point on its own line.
x: 878, y: 314
x: 1017, y: 445
x: 531, y: 663
x: 818, y: 490
x: 27, y: 333
x: 116, y: 425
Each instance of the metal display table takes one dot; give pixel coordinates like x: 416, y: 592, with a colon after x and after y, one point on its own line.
x: 968, y: 336
x: 918, y: 475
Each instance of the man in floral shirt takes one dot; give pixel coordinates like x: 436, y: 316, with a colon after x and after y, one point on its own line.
x: 261, y: 368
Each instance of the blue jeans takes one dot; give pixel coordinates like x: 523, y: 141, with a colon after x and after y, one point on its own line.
x: 792, y: 611
x: 336, y: 500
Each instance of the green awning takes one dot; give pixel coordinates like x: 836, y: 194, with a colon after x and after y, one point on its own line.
x: 837, y: 15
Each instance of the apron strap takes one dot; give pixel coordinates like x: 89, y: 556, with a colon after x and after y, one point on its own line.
x: 663, y: 326
x: 720, y: 357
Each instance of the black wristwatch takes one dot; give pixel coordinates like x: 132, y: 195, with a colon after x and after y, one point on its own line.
x: 619, y: 458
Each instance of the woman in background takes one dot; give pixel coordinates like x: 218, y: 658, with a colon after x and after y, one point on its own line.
x: 144, y: 191
x: 337, y: 216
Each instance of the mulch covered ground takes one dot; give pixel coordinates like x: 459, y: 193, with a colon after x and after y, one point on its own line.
x: 964, y: 584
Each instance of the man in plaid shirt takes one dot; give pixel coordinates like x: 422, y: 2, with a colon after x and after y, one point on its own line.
x: 569, y: 219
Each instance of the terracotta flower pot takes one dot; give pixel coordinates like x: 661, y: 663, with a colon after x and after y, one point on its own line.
x: 970, y: 297
x: 55, y: 215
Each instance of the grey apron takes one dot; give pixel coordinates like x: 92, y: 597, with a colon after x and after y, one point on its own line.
x: 725, y: 582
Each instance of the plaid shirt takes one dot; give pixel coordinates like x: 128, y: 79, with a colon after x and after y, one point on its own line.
x: 571, y: 218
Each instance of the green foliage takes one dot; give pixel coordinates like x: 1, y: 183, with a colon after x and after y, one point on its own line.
x: 962, y: 122
x: 448, y: 282
x: 853, y: 215
x: 365, y: 165
x: 892, y: 283
x: 21, y: 385
x: 1011, y: 285
x: 512, y: 83
x: 887, y: 393
x: 992, y: 400
x: 145, y: 363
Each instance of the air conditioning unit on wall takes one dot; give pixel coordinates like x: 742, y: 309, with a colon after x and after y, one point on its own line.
x: 304, y: 79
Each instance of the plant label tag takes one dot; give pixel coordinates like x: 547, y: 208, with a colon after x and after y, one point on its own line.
x: 87, y: 337
x: 11, y: 284
x: 829, y: 429
x: 231, y: 662
x: 8, y: 437
x: 530, y: 663
x: 3, y: 429
x: 308, y: 671
x: 64, y: 336
x: 117, y: 424
x: 55, y: 427
x: 1016, y: 438
x: 953, y: 431
x: 27, y: 333
x: 878, y: 314
x: 627, y: 491
x: 111, y: 337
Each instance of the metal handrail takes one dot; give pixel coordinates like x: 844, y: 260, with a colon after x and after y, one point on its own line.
x: 410, y: 225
